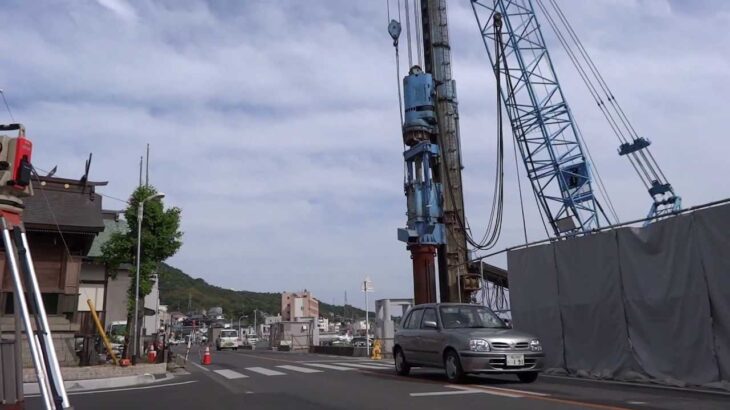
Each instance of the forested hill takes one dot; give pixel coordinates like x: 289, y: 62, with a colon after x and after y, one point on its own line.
x: 176, y: 287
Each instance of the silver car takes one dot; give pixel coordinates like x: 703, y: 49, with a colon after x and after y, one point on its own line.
x: 463, y: 338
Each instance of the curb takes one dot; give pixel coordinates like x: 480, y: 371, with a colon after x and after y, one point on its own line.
x: 95, y: 384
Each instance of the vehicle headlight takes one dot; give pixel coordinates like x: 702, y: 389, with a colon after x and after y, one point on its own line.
x: 479, y: 345
x: 535, y: 346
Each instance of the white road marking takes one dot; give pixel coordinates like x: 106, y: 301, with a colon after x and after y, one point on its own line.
x: 299, y: 369
x: 445, y: 393
x: 77, y: 393
x: 360, y: 366
x: 230, y: 374
x: 531, y: 393
x: 383, y: 365
x: 636, y: 402
x: 265, y: 371
x: 485, y: 391
x: 329, y: 366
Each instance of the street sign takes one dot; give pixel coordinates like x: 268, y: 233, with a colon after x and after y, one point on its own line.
x: 367, y: 285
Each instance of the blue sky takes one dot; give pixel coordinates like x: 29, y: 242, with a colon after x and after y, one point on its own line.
x: 274, y: 124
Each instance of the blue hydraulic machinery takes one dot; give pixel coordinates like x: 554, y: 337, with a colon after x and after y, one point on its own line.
x: 424, y: 231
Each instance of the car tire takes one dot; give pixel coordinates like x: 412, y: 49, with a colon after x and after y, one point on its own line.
x: 452, y: 367
x: 527, y: 377
x: 401, y: 365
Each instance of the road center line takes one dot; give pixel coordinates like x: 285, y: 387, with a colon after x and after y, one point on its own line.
x: 478, y: 386
x: 486, y: 391
x: 446, y: 393
x: 360, y: 366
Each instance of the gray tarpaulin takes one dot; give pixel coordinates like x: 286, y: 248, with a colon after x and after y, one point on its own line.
x: 712, y: 237
x: 594, y: 324
x: 632, y: 302
x: 534, y: 298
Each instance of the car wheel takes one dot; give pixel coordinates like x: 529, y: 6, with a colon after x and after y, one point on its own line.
x: 452, y: 367
x: 401, y: 365
x: 527, y: 377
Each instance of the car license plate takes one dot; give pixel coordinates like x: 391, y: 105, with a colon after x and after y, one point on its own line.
x: 515, y: 360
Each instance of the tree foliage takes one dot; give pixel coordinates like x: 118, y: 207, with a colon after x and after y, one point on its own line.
x: 161, y: 239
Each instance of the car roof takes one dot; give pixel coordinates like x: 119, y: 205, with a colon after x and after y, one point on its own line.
x: 423, y: 305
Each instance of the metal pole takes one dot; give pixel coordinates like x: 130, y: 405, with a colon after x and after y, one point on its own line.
x: 43, y: 382
x: 367, y: 325
x: 255, y: 328
x: 55, y: 369
x: 140, y: 212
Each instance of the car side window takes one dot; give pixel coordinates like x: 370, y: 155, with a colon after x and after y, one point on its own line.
x: 428, y: 314
x: 404, y: 323
x: 414, y: 322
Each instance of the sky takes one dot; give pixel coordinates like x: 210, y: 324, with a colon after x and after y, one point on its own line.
x: 274, y: 125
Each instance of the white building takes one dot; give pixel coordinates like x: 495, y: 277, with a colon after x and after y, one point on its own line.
x: 323, y: 324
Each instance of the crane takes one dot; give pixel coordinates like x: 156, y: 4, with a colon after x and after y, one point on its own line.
x: 549, y: 140
x: 556, y: 158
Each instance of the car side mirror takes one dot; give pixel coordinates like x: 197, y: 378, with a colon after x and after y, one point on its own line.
x: 430, y: 324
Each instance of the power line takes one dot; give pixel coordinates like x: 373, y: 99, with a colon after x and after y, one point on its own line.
x: 7, y: 106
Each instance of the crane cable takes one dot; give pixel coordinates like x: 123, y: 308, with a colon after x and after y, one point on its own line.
x: 609, y: 94
x: 635, y: 163
x: 642, y: 160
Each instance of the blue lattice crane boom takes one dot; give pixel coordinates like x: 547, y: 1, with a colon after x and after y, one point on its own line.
x: 540, y: 117
x: 548, y: 138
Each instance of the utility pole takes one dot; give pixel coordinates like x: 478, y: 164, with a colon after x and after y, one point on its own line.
x: 367, y: 286
x: 147, y: 172
x: 452, y: 256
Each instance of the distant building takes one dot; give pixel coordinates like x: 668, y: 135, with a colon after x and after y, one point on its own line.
x: 323, y: 324
x: 272, y: 319
x: 298, y: 305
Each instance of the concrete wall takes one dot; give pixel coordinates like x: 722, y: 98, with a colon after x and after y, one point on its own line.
x: 152, y: 301
x: 116, y: 297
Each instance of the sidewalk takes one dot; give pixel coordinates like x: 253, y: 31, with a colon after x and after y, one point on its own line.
x: 101, y: 377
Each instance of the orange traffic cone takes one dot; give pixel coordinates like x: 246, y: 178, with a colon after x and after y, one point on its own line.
x: 151, y: 354
x: 206, y: 355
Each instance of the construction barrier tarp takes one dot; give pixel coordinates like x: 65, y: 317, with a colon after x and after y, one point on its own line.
x: 648, y: 303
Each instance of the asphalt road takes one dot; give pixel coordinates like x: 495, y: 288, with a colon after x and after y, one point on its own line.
x: 281, y: 380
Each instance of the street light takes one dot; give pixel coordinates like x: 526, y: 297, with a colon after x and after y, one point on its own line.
x: 140, y: 213
x: 239, y: 324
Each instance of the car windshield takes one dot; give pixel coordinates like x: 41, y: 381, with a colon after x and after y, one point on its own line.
x: 454, y: 317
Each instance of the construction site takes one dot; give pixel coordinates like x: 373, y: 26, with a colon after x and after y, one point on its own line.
x: 546, y: 292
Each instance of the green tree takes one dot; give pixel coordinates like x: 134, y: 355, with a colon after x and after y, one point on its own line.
x: 161, y: 239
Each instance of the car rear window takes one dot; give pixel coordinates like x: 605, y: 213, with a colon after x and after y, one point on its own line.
x: 469, y: 316
x: 229, y: 333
